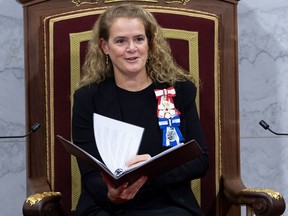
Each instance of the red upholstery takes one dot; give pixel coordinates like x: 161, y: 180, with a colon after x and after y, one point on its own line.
x: 57, y: 34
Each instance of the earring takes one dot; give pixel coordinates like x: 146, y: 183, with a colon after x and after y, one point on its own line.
x: 148, y: 59
x: 107, y: 60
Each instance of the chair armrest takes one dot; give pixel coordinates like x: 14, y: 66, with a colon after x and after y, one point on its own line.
x: 263, y: 202
x: 42, y: 200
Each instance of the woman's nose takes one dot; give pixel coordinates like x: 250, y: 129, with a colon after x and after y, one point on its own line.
x: 131, y: 46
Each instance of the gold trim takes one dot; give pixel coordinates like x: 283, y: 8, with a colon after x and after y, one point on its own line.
x: 46, y: 105
x: 75, y: 40
x: 75, y: 183
x: 79, y: 2
x: 35, y: 198
x: 153, y: 8
x: 51, y: 99
x: 71, y: 15
x: 52, y: 131
x: 196, y: 188
x: 218, y: 125
x: 273, y: 194
x: 91, y: 2
x: 49, y: 102
x: 181, y: 11
x: 114, y: 1
x: 183, y: 2
x: 75, y: 65
x: 192, y: 39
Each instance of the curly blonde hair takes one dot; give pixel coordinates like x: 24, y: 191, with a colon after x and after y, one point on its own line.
x: 160, y: 66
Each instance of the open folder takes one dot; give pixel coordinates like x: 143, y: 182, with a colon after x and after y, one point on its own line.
x: 155, y: 166
x: 117, y: 141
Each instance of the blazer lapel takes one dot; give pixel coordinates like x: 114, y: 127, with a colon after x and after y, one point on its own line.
x: 109, y: 105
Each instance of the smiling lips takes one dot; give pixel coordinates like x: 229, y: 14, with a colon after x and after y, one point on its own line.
x: 131, y: 59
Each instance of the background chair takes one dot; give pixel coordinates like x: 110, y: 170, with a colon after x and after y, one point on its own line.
x: 203, y: 37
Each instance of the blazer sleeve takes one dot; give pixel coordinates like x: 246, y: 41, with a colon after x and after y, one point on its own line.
x: 93, y: 199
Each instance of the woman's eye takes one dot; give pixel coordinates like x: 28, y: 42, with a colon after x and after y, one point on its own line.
x: 140, y: 39
x: 119, y: 41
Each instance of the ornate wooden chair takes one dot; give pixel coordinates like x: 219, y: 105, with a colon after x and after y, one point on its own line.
x: 203, y: 37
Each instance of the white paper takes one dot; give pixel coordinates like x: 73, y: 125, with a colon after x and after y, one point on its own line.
x: 116, y: 141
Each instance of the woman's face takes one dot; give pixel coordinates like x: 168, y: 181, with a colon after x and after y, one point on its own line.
x: 127, y: 47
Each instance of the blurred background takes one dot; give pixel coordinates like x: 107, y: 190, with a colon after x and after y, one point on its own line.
x: 263, y: 89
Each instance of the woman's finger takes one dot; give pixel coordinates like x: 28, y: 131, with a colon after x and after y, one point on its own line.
x: 137, y: 159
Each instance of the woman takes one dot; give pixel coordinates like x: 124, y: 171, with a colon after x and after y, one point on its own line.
x: 128, y: 75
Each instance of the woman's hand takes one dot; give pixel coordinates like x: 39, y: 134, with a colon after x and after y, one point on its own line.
x: 126, y: 192
x: 137, y: 160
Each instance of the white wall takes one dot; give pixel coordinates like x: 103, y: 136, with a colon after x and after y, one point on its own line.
x: 263, y: 76
x: 12, y: 109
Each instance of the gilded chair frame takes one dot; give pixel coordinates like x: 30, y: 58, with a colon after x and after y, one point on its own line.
x: 40, y: 16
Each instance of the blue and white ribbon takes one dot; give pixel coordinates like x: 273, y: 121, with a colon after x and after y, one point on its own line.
x: 171, y: 132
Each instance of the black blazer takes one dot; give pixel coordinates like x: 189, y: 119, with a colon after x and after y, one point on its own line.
x: 102, y: 99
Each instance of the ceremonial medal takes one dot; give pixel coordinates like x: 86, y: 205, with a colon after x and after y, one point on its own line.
x: 168, y: 117
x: 171, y: 134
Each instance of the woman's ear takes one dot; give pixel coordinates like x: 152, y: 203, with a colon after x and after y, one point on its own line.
x: 104, y: 46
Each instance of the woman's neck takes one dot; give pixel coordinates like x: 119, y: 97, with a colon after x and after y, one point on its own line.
x: 133, y: 84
